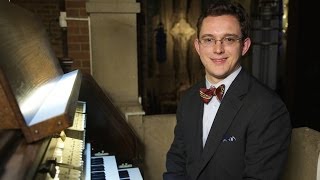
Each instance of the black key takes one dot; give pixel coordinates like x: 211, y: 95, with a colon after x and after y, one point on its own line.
x: 98, y: 175
x: 99, y: 178
x: 97, y: 168
x: 96, y: 161
x: 123, y: 174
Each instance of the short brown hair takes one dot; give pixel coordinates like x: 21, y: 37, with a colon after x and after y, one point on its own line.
x: 223, y: 7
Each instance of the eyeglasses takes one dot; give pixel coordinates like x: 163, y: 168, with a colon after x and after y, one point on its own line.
x: 226, y: 41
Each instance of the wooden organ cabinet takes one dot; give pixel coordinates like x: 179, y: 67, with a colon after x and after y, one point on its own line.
x: 56, y: 125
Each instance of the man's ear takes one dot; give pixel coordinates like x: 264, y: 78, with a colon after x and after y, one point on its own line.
x: 246, y: 46
x: 196, y: 45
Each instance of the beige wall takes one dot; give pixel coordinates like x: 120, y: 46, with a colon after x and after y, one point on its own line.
x: 114, y: 47
x: 156, y: 133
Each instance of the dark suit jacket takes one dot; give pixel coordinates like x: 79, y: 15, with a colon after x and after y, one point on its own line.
x: 249, y: 138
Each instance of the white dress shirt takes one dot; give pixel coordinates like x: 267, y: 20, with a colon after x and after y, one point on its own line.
x: 211, y: 109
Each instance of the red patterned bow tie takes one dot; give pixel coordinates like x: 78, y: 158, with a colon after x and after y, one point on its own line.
x: 207, y: 94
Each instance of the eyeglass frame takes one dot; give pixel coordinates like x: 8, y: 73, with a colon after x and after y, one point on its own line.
x: 222, y: 40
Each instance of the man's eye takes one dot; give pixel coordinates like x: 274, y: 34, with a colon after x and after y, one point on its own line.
x: 207, y: 40
x: 229, y: 39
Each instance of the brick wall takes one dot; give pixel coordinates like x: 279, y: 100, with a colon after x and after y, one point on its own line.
x: 48, y: 12
x: 78, y: 34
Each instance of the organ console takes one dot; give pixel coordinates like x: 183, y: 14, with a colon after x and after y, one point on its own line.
x: 55, y: 124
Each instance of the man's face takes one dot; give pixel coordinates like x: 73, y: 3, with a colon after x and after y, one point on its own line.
x: 220, y: 46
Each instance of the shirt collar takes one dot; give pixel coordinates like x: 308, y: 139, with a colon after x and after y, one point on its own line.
x: 227, y: 81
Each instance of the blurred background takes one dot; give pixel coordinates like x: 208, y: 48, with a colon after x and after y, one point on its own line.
x: 283, y: 53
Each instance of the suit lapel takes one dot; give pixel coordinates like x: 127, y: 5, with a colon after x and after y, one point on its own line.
x: 197, y: 149
x: 227, y: 111
x: 229, y: 107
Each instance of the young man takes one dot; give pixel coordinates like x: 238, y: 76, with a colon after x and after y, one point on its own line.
x: 242, y: 129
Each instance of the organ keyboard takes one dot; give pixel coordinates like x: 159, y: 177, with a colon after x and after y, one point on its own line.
x: 70, y: 158
x: 105, y: 167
